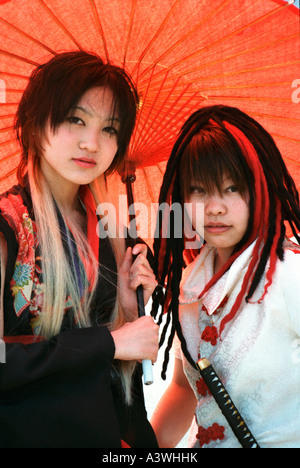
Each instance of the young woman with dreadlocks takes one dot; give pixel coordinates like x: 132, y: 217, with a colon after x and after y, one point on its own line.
x: 237, y: 302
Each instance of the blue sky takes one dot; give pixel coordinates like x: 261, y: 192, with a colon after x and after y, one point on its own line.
x: 296, y: 3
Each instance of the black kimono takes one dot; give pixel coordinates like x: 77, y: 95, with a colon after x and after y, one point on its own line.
x: 64, y: 392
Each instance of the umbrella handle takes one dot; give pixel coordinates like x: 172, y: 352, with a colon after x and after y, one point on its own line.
x: 128, y: 178
x: 146, y: 363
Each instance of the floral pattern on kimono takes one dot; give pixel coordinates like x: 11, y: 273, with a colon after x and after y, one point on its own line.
x: 25, y: 278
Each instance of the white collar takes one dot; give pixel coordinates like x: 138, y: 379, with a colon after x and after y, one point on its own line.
x: 201, y: 270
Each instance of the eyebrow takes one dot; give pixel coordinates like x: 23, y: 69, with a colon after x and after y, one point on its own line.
x: 109, y: 119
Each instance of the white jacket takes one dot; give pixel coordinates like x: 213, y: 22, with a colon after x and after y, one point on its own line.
x: 258, y: 355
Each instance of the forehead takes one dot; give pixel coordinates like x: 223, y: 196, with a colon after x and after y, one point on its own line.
x: 223, y: 180
x: 98, y: 102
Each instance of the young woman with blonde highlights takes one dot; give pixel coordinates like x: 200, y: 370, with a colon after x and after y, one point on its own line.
x: 72, y: 334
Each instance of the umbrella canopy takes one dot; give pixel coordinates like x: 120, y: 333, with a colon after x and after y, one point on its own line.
x: 182, y: 54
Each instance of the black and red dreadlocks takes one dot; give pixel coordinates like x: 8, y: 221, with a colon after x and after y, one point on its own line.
x: 274, y: 201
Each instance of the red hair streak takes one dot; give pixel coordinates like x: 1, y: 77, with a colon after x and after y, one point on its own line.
x: 260, y: 226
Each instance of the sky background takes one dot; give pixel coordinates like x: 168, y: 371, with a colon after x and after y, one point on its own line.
x: 296, y: 3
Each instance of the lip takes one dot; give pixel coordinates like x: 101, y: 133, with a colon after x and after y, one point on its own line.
x: 217, y: 228
x: 84, y: 162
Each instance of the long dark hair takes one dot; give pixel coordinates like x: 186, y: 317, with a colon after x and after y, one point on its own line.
x: 213, y: 140
x: 53, y: 91
x: 56, y: 86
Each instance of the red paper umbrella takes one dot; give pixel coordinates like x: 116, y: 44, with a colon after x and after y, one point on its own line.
x: 182, y: 54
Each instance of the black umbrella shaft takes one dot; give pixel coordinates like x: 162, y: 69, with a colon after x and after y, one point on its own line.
x: 147, y: 364
x: 226, y: 405
x: 133, y: 237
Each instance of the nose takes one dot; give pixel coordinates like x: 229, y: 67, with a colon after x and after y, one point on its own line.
x: 215, y: 206
x: 90, y: 141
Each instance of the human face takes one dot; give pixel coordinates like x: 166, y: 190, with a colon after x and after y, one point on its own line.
x: 84, y: 145
x: 226, y: 216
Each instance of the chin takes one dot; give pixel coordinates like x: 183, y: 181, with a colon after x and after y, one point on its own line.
x: 84, y: 180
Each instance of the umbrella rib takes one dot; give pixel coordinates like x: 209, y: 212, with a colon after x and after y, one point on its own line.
x: 158, y: 32
x: 6, y: 129
x: 237, y: 31
x: 161, y: 170
x: 143, y: 97
x: 60, y: 24
x: 7, y: 142
x: 180, y: 41
x: 235, y: 73
x: 242, y: 86
x: 283, y: 137
x: 249, y: 98
x: 7, y: 116
x: 249, y: 70
x: 278, y: 117
x: 150, y: 111
x: 28, y: 36
x: 14, y: 90
x: 9, y: 104
x: 150, y: 127
x: 149, y: 187
x: 14, y: 75
x: 251, y: 85
x: 8, y: 175
x: 169, y: 122
x: 159, y: 92
x: 132, y: 14
x: 18, y: 57
x: 10, y: 156
x: 244, y: 52
x: 100, y: 28
x: 294, y: 161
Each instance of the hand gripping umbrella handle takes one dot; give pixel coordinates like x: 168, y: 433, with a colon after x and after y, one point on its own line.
x: 226, y: 405
x: 146, y: 363
x: 128, y: 178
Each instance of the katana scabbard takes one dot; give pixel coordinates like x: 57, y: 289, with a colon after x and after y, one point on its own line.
x: 226, y: 405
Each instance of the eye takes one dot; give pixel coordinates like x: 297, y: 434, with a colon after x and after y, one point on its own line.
x: 111, y: 131
x: 75, y: 120
x: 231, y: 189
x: 197, y: 190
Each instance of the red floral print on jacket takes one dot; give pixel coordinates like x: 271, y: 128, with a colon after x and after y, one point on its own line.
x: 202, y: 388
x: 17, y: 216
x: 212, y: 433
x: 210, y: 334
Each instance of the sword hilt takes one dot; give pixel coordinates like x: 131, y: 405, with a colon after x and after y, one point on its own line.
x: 226, y: 405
